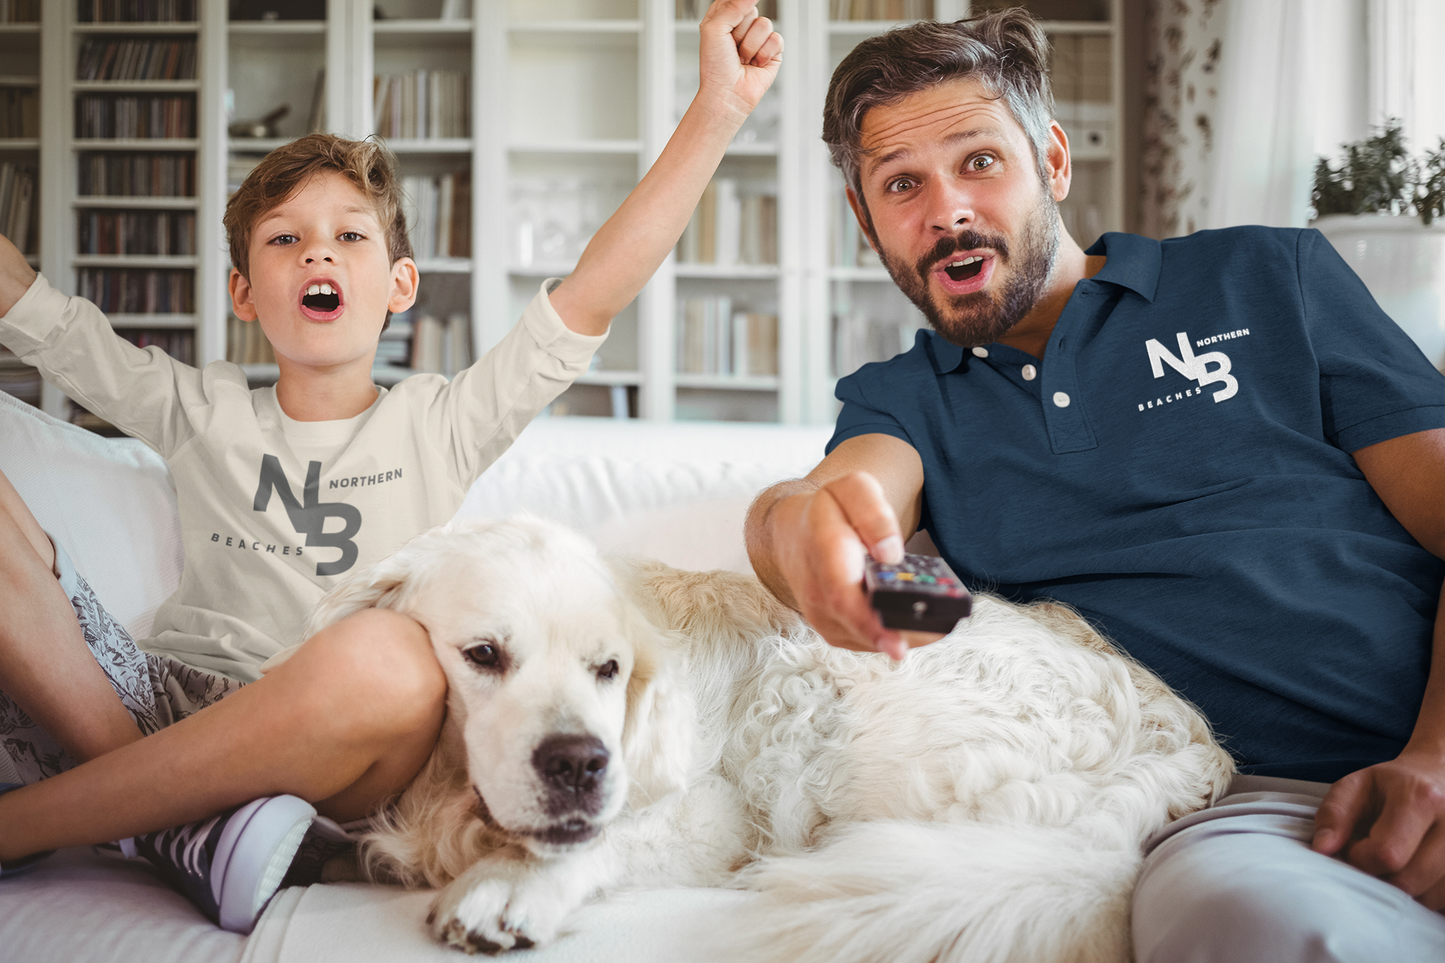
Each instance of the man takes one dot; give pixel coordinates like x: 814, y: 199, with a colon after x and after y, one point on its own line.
x: 1217, y: 448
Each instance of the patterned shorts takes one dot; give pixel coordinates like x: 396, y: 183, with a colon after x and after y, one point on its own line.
x: 157, y: 691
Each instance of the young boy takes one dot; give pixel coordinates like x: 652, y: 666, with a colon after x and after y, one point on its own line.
x: 281, y: 492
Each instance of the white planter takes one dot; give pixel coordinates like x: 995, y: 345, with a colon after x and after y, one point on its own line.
x: 1402, y: 262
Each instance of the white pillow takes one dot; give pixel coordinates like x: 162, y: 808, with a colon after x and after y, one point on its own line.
x: 110, y: 503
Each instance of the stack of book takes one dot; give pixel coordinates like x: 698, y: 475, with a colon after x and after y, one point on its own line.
x: 395, y: 346
x: 439, y: 214
x: 126, y: 118
x: 858, y: 339
x: 19, y: 11
x: 715, y: 339
x: 423, y: 104
x: 19, y: 112
x: 17, y: 378
x: 137, y: 291
x: 18, y: 207
x: 246, y: 343
x: 441, y: 347
x: 850, y: 245
x: 179, y: 343
x: 136, y: 232
x: 145, y: 59
x: 880, y: 9
x: 731, y: 226
x: 106, y: 174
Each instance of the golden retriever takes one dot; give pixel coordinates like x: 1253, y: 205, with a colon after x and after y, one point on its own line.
x: 616, y: 723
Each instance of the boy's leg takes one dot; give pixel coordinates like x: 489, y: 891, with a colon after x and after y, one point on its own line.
x: 1238, y: 883
x: 46, y: 667
x: 345, y: 724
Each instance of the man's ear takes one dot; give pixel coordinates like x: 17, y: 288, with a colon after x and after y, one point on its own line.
x: 404, y: 283
x: 860, y: 211
x: 1058, y: 163
x: 242, y: 301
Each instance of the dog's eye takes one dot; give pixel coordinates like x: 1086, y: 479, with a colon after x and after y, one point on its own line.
x: 607, y: 670
x: 484, y: 656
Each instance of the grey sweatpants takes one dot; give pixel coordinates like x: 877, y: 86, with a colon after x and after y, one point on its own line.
x: 157, y: 691
x: 1238, y: 883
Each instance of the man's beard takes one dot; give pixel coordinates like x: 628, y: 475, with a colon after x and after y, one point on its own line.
x: 981, y: 318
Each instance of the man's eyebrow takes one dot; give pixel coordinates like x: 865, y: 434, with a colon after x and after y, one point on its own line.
x: 901, y: 153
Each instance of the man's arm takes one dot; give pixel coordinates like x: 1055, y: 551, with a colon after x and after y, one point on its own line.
x: 740, y: 56
x: 16, y: 275
x: 807, y: 538
x: 1389, y: 819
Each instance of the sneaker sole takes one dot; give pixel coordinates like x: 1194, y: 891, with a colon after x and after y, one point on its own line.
x: 253, y: 854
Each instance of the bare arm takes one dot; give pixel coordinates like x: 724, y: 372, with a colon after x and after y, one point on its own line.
x: 1389, y: 819
x: 740, y: 57
x: 16, y: 275
x: 807, y: 538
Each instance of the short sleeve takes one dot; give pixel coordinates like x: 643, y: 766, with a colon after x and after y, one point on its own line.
x: 1375, y: 383
x: 860, y: 416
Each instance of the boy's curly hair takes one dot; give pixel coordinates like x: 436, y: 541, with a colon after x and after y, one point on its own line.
x: 367, y: 164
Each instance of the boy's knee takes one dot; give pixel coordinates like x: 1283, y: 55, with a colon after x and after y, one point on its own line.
x: 383, y: 664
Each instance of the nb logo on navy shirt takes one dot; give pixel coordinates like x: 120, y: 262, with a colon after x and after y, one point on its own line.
x: 309, y: 515
x: 1194, y: 366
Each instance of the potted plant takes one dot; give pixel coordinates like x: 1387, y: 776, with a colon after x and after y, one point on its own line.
x: 1379, y: 210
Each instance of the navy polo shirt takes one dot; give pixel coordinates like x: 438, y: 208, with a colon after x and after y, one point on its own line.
x: 1177, y: 468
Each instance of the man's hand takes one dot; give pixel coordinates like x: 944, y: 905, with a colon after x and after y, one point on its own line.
x: 807, y: 538
x: 1389, y: 821
x: 16, y: 275
x: 740, y: 56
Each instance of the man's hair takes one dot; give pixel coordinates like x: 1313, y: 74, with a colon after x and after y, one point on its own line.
x: 367, y: 164
x: 1006, y: 52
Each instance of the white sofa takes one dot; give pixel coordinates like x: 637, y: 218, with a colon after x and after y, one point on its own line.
x: 675, y: 492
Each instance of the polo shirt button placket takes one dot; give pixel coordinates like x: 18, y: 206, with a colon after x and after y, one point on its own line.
x: 1029, y: 372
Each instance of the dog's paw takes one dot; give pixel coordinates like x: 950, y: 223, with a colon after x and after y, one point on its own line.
x: 495, y: 915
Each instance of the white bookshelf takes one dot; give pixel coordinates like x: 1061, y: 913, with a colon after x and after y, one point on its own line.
x: 569, y: 101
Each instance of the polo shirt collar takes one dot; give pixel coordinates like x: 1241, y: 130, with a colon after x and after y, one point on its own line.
x: 1133, y: 262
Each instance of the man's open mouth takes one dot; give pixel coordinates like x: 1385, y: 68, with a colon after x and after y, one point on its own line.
x: 964, y: 268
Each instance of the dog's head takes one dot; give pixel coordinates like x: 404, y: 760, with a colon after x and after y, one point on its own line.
x: 566, y: 697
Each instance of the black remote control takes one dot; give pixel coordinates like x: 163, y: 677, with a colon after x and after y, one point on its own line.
x: 920, y: 593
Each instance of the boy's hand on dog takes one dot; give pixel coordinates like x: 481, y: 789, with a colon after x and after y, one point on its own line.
x: 1389, y: 821
x: 740, y: 56
x: 16, y: 275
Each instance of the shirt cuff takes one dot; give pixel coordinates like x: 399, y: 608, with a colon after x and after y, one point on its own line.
x: 29, y: 324
x: 551, y: 332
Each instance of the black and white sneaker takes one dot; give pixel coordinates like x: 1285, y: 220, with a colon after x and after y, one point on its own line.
x: 16, y: 867
x: 232, y: 864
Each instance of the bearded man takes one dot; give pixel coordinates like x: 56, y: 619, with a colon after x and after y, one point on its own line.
x: 1217, y: 448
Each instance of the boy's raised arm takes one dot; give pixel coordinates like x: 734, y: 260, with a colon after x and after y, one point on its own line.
x: 16, y: 275
x: 740, y: 57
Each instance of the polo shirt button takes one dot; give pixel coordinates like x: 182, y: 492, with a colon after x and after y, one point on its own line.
x: 1030, y: 372
x: 980, y: 352
x: 1061, y: 399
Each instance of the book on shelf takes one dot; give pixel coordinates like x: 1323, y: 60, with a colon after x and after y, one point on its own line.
x: 19, y: 11
x: 19, y: 112
x: 246, y: 343
x: 135, y: 11
x: 145, y: 117
x: 394, y: 348
x: 139, y: 290
x: 316, y: 116
x: 121, y: 174
x: 136, y: 232
x: 880, y: 9
x: 733, y: 224
x: 859, y: 339
x: 441, y: 347
x: 422, y: 104
x: 850, y: 245
x: 179, y: 343
x: 715, y: 339
x: 18, y: 379
x: 136, y: 59
x: 439, y: 214
x: 694, y: 9
x: 19, y: 212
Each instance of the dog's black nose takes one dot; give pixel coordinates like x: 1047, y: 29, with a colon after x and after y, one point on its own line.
x: 573, y: 764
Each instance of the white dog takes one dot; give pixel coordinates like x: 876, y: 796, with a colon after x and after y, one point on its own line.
x: 622, y: 723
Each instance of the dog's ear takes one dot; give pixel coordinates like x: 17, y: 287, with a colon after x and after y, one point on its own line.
x: 377, y: 587
x: 657, y: 735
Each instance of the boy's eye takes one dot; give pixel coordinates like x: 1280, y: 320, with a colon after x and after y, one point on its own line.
x: 352, y: 236
x: 283, y: 239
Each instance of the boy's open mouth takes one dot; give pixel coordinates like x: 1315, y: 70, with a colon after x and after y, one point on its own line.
x: 321, y: 301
